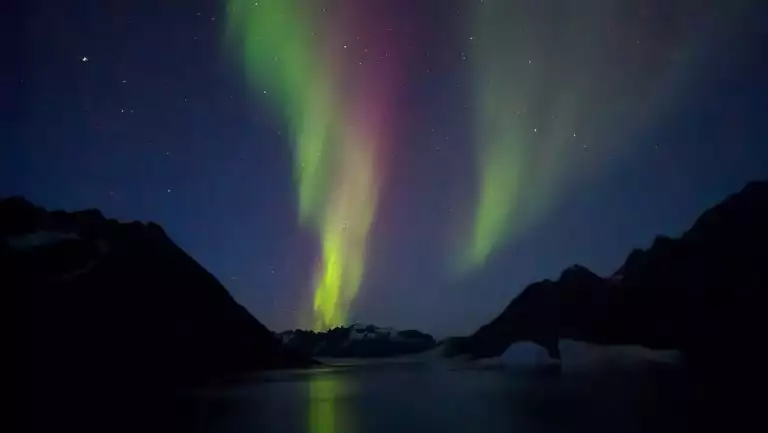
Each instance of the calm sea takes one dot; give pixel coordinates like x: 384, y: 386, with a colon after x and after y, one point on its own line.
x: 422, y: 397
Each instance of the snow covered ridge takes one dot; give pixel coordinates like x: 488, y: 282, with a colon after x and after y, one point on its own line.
x: 357, y: 340
x: 70, y: 263
x: 29, y: 241
x: 578, y: 356
x: 358, y: 331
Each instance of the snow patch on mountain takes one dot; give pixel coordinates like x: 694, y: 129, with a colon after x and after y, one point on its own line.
x: 578, y: 355
x: 36, y: 239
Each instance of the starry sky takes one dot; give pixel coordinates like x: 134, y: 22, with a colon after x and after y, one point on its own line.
x: 402, y: 163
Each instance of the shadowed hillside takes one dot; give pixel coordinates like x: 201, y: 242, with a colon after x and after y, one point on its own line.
x: 697, y: 293
x: 97, y: 301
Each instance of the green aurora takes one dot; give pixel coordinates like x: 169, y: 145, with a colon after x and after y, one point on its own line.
x: 289, y: 60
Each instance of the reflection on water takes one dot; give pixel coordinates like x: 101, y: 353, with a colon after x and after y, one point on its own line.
x: 329, y: 410
x: 425, y: 398
x: 403, y: 399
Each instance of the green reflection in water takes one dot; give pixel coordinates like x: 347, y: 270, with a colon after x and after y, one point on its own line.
x: 329, y: 396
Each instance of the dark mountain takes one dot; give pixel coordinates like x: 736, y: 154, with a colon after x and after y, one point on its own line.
x: 357, y: 341
x: 98, y: 301
x: 697, y: 293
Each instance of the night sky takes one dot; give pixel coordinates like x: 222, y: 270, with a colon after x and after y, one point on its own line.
x: 463, y: 148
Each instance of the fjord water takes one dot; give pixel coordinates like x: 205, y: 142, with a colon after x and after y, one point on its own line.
x: 422, y: 397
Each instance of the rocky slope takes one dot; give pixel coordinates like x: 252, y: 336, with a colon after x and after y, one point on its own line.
x: 694, y: 293
x: 98, y: 301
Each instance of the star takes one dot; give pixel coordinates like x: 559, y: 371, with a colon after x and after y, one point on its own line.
x: 535, y: 130
x: 168, y: 190
x: 574, y: 134
x: 84, y: 59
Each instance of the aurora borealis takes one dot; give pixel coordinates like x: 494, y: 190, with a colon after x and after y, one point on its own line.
x: 337, y: 107
x: 539, y: 81
x: 533, y: 87
x: 406, y: 163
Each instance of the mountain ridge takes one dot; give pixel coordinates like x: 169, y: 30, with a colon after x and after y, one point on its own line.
x: 357, y: 341
x: 680, y: 293
x: 94, y: 296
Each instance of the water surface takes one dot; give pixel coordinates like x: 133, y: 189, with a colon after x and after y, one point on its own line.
x: 423, y: 397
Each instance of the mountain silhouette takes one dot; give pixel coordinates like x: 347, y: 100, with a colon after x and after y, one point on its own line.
x: 697, y: 293
x: 99, y: 301
x: 357, y: 341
